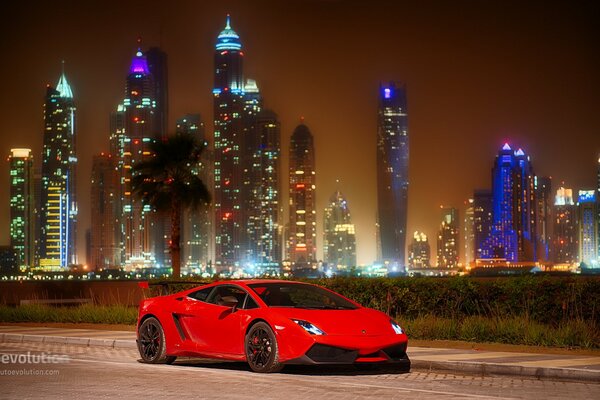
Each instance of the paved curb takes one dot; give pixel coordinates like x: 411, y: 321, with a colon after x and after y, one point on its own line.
x: 481, y: 368
x: 66, y: 340
x: 484, y: 368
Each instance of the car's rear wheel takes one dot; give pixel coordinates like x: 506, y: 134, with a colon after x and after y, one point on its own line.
x: 262, y: 351
x: 152, y: 343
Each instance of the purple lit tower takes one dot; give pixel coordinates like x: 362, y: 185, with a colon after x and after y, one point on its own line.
x: 134, y: 127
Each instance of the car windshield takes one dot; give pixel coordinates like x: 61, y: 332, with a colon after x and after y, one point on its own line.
x: 300, y: 295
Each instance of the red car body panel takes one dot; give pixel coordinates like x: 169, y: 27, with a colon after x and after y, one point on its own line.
x: 195, y: 328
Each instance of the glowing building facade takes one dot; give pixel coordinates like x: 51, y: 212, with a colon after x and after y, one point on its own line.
x: 543, y: 212
x: 302, y: 207
x: 469, y: 250
x: 58, y: 195
x: 22, y: 205
x: 419, y: 252
x: 482, y: 221
x: 392, y: 172
x: 587, y: 206
x: 262, y: 171
x: 134, y: 129
x: 339, y: 235
x: 513, y: 235
x: 105, y: 247
x: 197, y: 235
x: 565, y: 232
x: 228, y: 103
x: 447, y: 240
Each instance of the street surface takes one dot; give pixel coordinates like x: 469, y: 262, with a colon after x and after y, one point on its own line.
x: 45, y: 370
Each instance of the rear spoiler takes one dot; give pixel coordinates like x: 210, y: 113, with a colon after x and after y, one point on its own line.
x: 165, y: 284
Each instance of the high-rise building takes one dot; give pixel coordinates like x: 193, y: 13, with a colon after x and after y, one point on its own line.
x: 302, y: 191
x: 197, y: 235
x: 58, y: 196
x: 419, y: 251
x: 483, y: 205
x: 22, y: 205
x: 588, y: 228
x: 228, y: 105
x: 134, y: 129
x: 513, y: 235
x: 543, y: 204
x: 469, y: 233
x: 392, y: 172
x: 157, y: 65
x: 262, y: 171
x: 566, y: 234
x: 105, y: 247
x: 339, y: 236
x: 447, y: 240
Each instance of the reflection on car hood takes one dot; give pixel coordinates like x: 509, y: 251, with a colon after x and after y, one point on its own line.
x: 361, y: 321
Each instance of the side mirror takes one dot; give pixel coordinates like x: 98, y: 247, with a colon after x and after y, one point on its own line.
x: 229, y: 301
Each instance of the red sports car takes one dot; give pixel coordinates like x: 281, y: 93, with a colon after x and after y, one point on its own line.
x: 269, y: 324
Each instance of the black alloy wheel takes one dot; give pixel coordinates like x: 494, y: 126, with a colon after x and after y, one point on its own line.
x: 262, y: 352
x: 152, y: 344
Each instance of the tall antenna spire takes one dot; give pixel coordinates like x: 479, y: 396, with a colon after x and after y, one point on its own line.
x: 228, y: 23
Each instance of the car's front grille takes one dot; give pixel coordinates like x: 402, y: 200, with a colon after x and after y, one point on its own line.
x: 329, y: 354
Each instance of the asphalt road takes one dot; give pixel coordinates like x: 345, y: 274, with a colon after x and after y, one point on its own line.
x: 30, y: 370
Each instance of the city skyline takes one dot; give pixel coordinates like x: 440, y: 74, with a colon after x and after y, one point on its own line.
x: 428, y: 186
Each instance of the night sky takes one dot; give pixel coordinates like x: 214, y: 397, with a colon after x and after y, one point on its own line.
x: 478, y: 73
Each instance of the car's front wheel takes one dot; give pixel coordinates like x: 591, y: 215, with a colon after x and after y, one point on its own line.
x: 262, y: 351
x: 152, y: 343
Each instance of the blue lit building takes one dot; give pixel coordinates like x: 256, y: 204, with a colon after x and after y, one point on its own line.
x: 513, y: 234
x: 58, y: 194
x: 588, y: 228
x: 392, y: 172
x: 228, y: 109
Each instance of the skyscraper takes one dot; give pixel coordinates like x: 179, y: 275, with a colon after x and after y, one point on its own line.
x: 588, y: 228
x: 105, y: 248
x: 513, y: 235
x: 302, y: 191
x: 262, y: 171
x: 543, y: 210
x: 339, y: 236
x: 392, y: 172
x: 197, y: 235
x: 469, y: 248
x: 447, y: 241
x: 566, y: 234
x: 482, y: 222
x: 134, y: 130
x: 419, y: 251
x: 58, y: 195
x: 228, y: 128
x: 22, y: 215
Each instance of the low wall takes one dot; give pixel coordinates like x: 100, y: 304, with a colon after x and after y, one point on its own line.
x: 99, y: 292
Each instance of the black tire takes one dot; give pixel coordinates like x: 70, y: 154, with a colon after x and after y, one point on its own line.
x: 152, y: 344
x: 262, y: 352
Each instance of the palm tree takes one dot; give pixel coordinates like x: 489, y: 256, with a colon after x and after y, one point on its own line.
x: 169, y: 181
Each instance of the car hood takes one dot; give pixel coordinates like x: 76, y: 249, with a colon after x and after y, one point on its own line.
x: 361, y: 321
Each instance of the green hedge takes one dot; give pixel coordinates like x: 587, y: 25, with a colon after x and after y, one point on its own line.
x: 549, y: 300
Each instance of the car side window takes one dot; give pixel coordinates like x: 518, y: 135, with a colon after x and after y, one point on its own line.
x: 249, y: 303
x: 201, y: 294
x: 224, y: 291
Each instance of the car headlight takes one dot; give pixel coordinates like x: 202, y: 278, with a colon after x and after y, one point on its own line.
x: 396, y: 327
x: 308, y: 327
